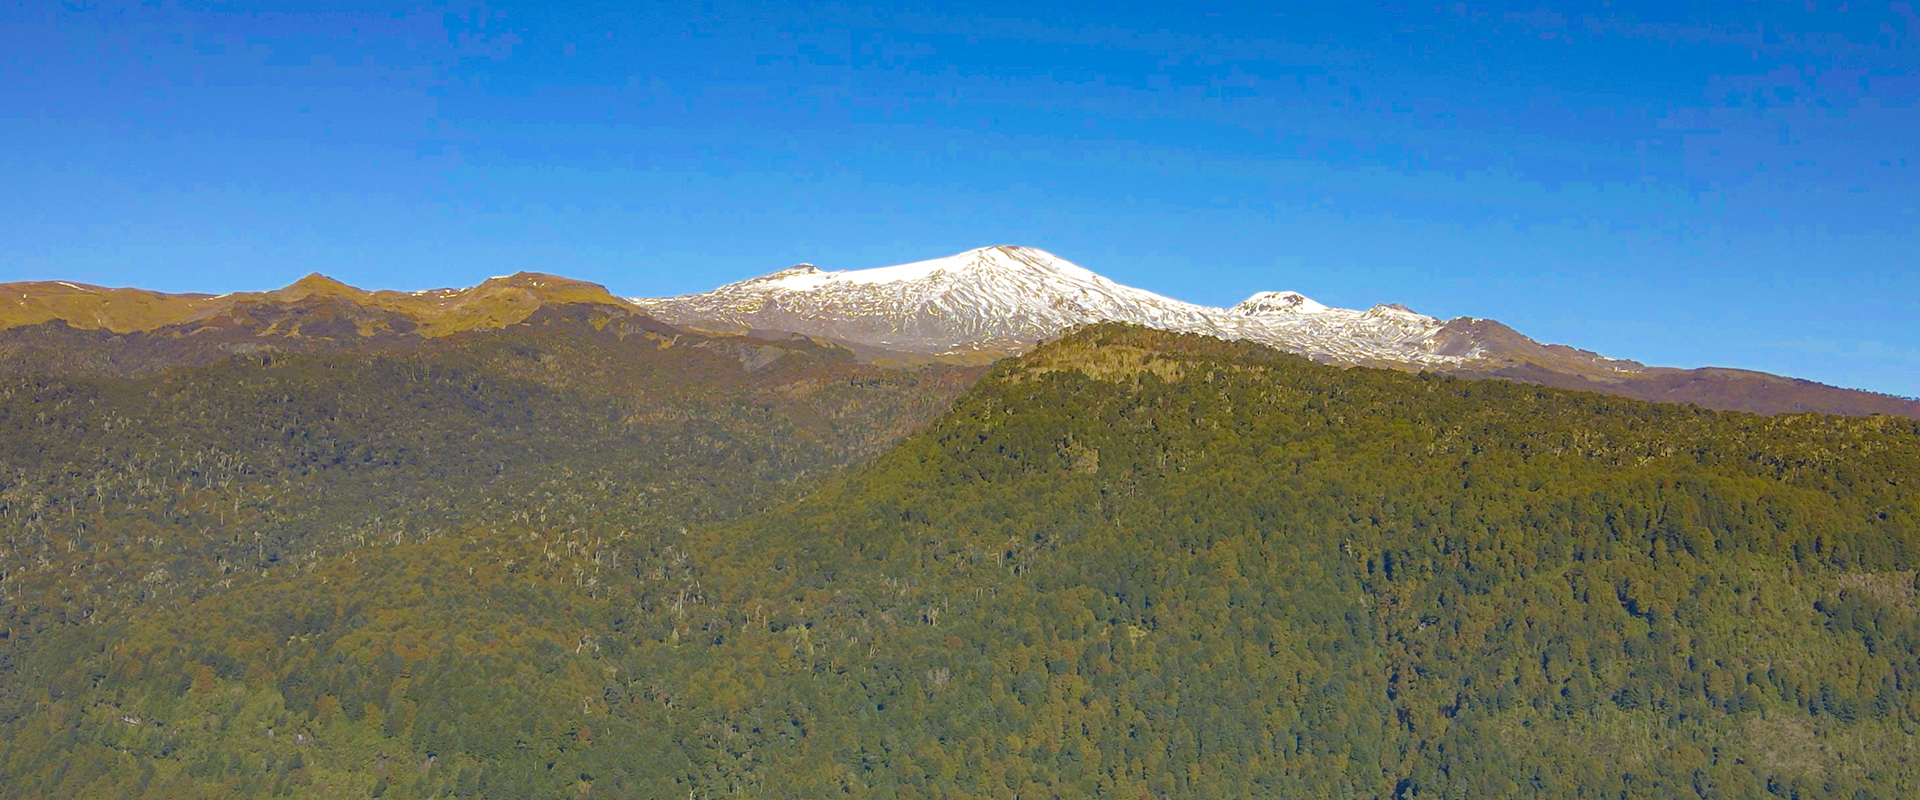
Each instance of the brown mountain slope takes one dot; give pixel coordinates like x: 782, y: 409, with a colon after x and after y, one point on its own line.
x: 1504, y: 347
x: 495, y: 303
x: 1513, y: 356
x: 59, y: 328
x: 97, y: 307
x: 1722, y: 388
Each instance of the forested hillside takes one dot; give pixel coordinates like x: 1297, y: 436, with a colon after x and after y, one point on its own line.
x: 1127, y: 564
x: 1134, y: 563
x: 581, y: 435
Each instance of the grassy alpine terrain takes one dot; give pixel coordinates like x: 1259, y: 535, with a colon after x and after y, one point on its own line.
x: 1128, y: 564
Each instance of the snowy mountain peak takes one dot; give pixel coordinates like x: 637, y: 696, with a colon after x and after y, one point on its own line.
x: 999, y: 262
x: 1013, y: 258
x: 1003, y: 299
x: 1278, y: 303
x: 1394, y: 310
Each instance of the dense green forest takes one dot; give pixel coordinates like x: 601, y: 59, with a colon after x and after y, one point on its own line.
x: 1128, y: 564
x: 594, y: 433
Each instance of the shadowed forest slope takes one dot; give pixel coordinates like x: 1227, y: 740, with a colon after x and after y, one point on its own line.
x: 157, y: 499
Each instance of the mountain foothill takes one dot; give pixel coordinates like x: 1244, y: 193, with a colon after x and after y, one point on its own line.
x: 987, y: 526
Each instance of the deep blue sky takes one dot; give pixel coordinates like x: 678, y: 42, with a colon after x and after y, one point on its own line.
x: 1730, y: 183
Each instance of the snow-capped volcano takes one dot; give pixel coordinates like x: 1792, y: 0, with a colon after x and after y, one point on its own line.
x: 999, y: 300
x: 996, y: 299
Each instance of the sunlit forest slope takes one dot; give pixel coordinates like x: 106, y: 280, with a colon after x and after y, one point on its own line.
x: 1127, y: 564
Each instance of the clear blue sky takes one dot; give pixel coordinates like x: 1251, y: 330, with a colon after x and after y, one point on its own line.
x: 1729, y: 183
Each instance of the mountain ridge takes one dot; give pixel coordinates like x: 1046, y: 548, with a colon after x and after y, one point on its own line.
x: 492, y: 303
x: 1002, y: 299
x: 970, y: 308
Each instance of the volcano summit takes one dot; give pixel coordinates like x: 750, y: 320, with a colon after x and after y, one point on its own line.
x: 997, y: 301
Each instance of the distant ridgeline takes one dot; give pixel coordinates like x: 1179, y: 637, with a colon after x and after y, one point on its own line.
x: 971, y: 308
x: 64, y: 328
x: 584, y: 554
